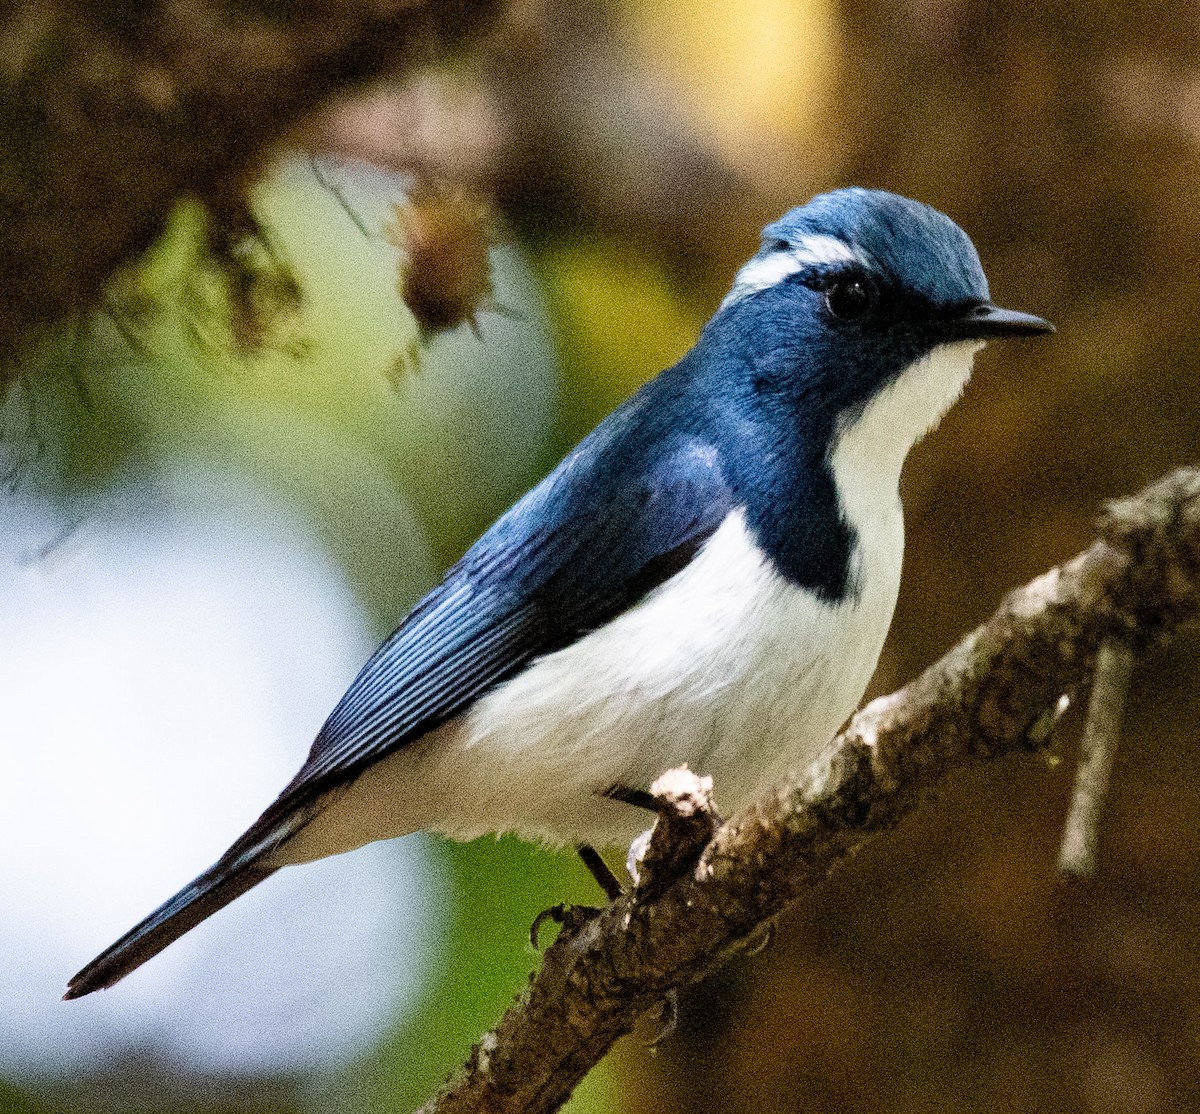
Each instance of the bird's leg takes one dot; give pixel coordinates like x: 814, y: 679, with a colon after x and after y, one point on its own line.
x: 569, y: 918
x: 572, y: 917
x: 601, y: 871
x: 639, y: 798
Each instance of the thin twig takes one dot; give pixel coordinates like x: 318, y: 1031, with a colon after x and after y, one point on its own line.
x: 1101, y: 733
x: 339, y: 195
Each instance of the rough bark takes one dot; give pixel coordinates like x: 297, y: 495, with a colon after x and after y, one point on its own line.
x: 991, y: 696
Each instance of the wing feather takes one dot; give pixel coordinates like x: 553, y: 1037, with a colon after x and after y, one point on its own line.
x: 548, y: 571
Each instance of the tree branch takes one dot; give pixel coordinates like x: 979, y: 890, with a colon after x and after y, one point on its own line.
x: 111, y: 111
x: 1101, y: 733
x: 987, y: 698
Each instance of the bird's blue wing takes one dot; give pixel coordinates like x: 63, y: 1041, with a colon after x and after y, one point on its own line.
x: 583, y: 546
x: 579, y: 549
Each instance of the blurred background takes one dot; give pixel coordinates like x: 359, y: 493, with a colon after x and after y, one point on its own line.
x: 223, y: 490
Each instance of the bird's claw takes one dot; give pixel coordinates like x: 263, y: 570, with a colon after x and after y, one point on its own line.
x: 569, y: 918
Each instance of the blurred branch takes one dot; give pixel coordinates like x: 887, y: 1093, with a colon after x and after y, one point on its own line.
x: 570, y: 131
x: 985, y: 699
x: 110, y: 112
x: 1101, y: 733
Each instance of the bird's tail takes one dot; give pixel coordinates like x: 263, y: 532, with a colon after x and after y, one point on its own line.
x: 198, y: 900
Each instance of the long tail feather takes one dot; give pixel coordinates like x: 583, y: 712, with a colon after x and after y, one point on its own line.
x: 198, y: 900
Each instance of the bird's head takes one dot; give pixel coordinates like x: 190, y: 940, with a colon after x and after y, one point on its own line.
x: 863, y: 305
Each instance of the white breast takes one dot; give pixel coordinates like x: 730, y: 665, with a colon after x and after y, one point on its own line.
x: 727, y: 667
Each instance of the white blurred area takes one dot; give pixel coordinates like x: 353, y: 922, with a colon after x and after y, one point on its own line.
x: 172, y: 641
x: 162, y: 672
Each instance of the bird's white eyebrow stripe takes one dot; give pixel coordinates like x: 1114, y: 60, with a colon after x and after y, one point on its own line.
x: 764, y: 271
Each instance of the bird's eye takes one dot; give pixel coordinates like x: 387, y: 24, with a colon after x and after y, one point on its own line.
x: 848, y: 299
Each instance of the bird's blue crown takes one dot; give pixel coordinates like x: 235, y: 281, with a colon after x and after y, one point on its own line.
x: 902, y: 240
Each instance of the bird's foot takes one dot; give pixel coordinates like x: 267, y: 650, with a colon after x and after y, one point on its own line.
x: 569, y: 918
x: 687, y: 821
x: 600, y: 870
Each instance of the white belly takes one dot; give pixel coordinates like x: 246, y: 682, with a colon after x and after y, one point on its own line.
x: 727, y: 667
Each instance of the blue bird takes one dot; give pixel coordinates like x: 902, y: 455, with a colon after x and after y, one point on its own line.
x: 707, y: 578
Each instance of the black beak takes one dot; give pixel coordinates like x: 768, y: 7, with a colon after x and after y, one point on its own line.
x: 982, y: 322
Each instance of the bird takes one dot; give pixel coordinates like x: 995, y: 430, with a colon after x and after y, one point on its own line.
x: 706, y: 579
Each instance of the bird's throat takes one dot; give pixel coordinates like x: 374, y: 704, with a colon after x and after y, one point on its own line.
x: 872, y: 444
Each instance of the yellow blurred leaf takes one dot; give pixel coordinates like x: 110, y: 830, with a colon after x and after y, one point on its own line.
x: 752, y: 68
x: 622, y: 322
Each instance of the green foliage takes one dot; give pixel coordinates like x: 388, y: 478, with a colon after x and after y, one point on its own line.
x: 13, y: 1101
x: 500, y: 886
